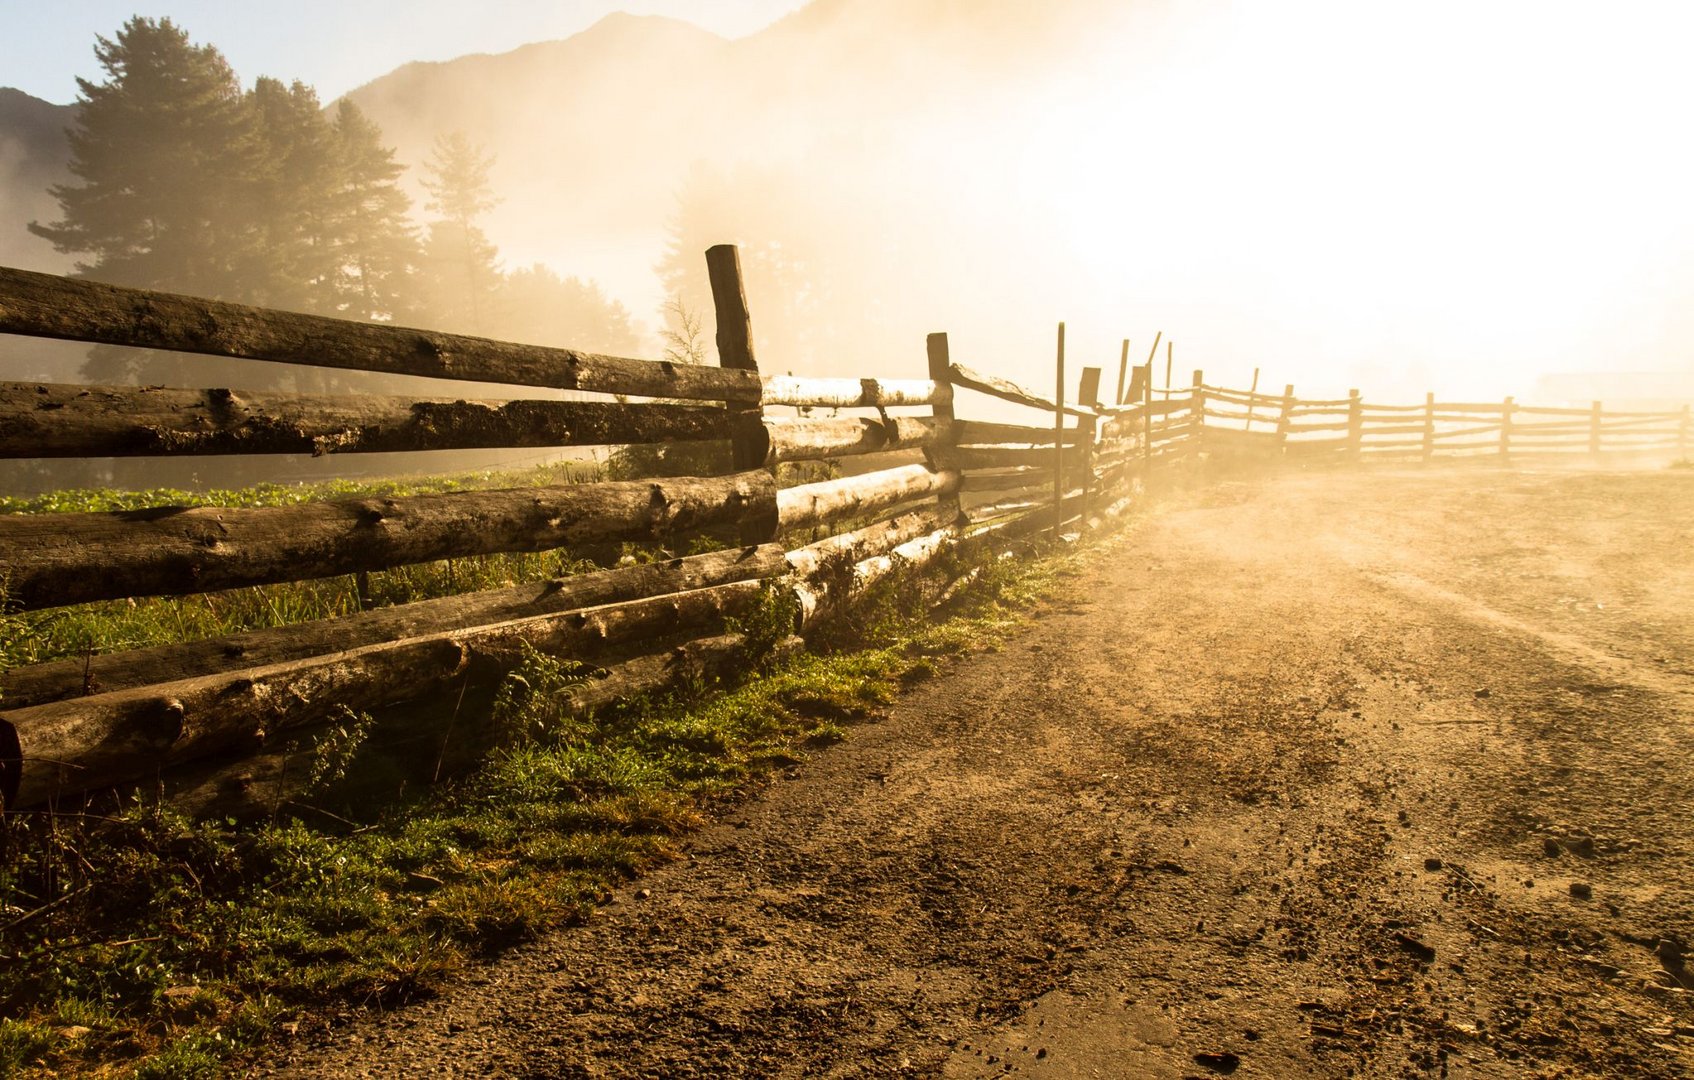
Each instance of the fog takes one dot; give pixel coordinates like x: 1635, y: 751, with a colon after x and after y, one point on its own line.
x: 1457, y: 197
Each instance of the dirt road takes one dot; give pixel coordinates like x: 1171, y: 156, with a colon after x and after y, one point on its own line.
x: 1301, y: 777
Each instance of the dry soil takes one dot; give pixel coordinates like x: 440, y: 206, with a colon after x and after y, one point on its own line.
x: 1368, y: 774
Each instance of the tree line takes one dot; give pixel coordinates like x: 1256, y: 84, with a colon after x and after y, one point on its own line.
x: 185, y: 181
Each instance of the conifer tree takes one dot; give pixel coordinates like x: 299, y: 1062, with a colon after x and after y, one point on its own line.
x: 292, y: 201
x: 377, y: 251
x: 160, y: 150
x: 460, y: 261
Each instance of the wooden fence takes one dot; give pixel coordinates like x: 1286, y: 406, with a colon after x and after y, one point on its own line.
x: 945, y: 483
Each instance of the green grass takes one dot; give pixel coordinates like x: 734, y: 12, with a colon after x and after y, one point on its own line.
x: 116, y: 625
x: 142, y: 943
x: 110, y: 626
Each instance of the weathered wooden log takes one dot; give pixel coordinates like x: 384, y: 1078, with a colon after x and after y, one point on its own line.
x: 817, y: 440
x: 1005, y: 457
x: 852, y: 393
x: 818, y: 558
x: 55, y: 559
x: 1391, y: 445
x: 109, y: 672
x: 993, y: 511
x: 1547, y: 427
x: 81, y: 744
x: 1268, y: 440
x: 56, y: 420
x: 827, y: 595
x: 832, y: 500
x: 1240, y: 397
x: 749, y: 445
x: 1008, y: 480
x: 1392, y: 429
x: 1309, y: 446
x: 1007, y: 391
x: 939, y: 454
x: 979, y: 433
x: 1476, y: 429
x: 43, y: 305
x: 260, y: 785
x: 1556, y: 410
x: 1624, y: 422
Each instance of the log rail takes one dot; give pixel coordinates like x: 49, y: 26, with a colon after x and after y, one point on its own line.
x: 95, y: 722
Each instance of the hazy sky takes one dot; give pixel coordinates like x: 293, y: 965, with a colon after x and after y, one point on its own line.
x: 1446, y: 194
x: 334, y: 45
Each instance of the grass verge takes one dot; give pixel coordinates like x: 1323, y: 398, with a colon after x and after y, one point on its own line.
x: 141, y: 943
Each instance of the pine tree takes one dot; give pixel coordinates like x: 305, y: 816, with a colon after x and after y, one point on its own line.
x: 538, y: 307
x: 460, y: 262
x: 292, y: 201
x: 161, y: 150
x: 377, y: 249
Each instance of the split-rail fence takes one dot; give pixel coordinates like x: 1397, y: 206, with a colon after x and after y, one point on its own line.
x: 106, y: 721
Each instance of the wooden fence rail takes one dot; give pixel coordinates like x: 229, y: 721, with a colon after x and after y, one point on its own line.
x: 88, y: 723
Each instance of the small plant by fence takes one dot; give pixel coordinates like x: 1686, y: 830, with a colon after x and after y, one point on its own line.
x: 101, y: 721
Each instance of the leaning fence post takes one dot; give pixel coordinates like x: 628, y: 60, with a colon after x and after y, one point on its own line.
x: 1285, y: 417
x: 946, y: 435
x: 1506, y: 426
x: 1147, y: 417
x: 1088, y: 396
x: 1197, y: 409
x: 1355, y: 424
x: 1059, y: 438
x: 749, y: 445
x: 1595, y: 418
x: 1123, y: 371
x: 1428, y: 426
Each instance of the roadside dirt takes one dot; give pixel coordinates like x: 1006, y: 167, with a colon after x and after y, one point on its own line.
x: 1297, y: 778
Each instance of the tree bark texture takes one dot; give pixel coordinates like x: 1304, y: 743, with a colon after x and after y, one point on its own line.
x: 1008, y: 391
x: 852, y: 393
x: 850, y: 547
x: 81, y: 744
x: 55, y: 559
x: 979, y: 433
x: 832, y: 500
x: 256, y: 786
x: 78, y: 677
x: 818, y: 440
x: 43, y: 305
x: 827, y: 594
x: 48, y: 420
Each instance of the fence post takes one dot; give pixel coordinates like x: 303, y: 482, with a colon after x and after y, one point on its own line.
x: 1059, y: 438
x: 1505, y: 427
x: 1147, y: 418
x: 946, y: 436
x: 1285, y: 417
x: 1197, y: 409
x: 1428, y: 427
x: 1123, y: 371
x: 1355, y: 425
x: 1088, y: 396
x: 749, y: 445
x: 1595, y: 419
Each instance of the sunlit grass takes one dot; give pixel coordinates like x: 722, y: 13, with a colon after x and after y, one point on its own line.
x: 173, y: 946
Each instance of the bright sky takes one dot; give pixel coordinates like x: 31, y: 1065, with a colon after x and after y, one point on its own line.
x: 334, y: 45
x: 1483, y: 189
x: 1457, y: 194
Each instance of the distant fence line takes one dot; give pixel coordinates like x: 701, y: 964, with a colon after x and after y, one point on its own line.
x: 97, y: 722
